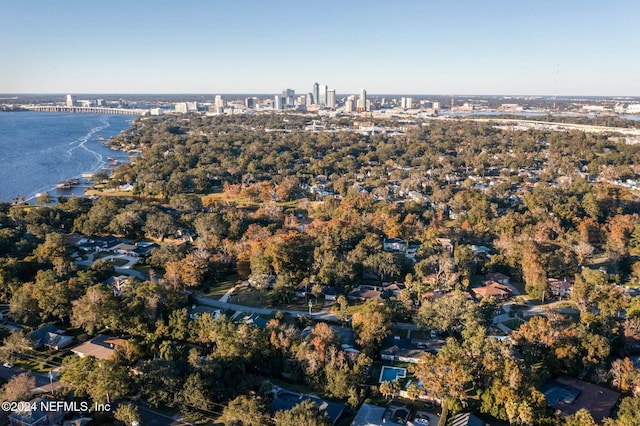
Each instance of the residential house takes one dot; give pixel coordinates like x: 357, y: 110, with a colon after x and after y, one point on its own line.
x: 303, y: 290
x: 141, y: 249
x: 492, y: 289
x: 480, y: 252
x: 344, y: 334
x: 391, y: 415
x: 395, y: 245
x: 196, y: 312
x: 101, y: 347
x: 568, y: 395
x: 394, y: 289
x: 252, y: 320
x: 51, y: 337
x: 400, y: 353
x: 35, y: 413
x: 331, y: 293
x: 285, y: 399
x: 101, y: 244
x: 262, y: 281
x: 560, y: 288
x: 499, y: 278
x: 367, y: 292
x: 466, y: 419
x: 118, y: 284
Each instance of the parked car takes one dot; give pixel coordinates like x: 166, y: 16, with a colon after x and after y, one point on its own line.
x: 7, y: 365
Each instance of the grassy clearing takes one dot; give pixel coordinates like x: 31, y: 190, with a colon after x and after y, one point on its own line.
x: 118, y: 262
x: 513, y: 324
x: 143, y: 269
x: 217, y: 290
x: 264, y: 299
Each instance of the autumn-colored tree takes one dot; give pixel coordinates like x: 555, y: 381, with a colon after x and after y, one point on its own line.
x: 389, y: 388
x: 533, y: 270
x: 371, y: 326
x: 443, y: 376
x: 624, y: 376
x: 18, y: 388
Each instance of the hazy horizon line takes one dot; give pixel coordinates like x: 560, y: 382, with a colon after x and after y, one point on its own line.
x: 303, y: 93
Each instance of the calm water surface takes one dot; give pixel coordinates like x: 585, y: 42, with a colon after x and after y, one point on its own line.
x: 39, y: 149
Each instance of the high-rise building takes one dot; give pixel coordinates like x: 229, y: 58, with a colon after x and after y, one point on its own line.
x: 316, y: 93
x: 279, y: 102
x: 289, y: 97
x: 219, y: 102
x: 406, y: 102
x: 181, y: 107
x: 322, y: 95
x: 331, y: 98
x: 362, y: 101
x: 350, y: 104
x: 309, y: 100
x: 70, y: 101
x: 248, y: 102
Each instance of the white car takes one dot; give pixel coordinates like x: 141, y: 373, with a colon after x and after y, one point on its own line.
x: 7, y: 365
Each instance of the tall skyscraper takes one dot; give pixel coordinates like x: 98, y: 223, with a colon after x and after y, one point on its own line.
x: 331, y: 98
x: 289, y: 96
x: 350, y: 104
x: 322, y: 96
x: 219, y: 102
x: 279, y: 102
x: 362, y: 101
x: 406, y: 102
x: 70, y: 101
x: 316, y: 93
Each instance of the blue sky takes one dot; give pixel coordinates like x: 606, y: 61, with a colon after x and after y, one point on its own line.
x: 263, y: 46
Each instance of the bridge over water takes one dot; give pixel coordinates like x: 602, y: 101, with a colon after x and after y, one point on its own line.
x: 86, y: 110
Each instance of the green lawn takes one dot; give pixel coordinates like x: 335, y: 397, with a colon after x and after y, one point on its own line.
x: 118, y: 262
x: 264, y: 299
x: 513, y: 324
x: 217, y: 290
x: 143, y: 269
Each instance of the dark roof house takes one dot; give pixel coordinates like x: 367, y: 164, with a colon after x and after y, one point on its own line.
x: 36, y: 413
x: 51, y: 337
x: 285, y: 399
x: 568, y: 395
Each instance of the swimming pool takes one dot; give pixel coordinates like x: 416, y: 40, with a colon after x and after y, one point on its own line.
x: 389, y: 374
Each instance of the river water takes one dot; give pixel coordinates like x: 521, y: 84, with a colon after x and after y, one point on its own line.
x: 39, y: 149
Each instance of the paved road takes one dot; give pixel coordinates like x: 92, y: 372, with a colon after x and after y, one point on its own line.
x: 324, y: 315
x: 43, y: 383
x: 123, y: 270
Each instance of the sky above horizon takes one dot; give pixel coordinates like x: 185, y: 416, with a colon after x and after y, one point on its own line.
x: 507, y: 47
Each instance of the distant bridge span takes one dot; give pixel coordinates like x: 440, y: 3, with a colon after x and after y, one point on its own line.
x: 86, y: 110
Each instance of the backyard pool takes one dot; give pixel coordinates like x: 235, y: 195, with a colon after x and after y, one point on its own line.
x: 389, y: 374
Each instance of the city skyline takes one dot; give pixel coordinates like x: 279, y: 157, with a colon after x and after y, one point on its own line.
x: 464, y: 47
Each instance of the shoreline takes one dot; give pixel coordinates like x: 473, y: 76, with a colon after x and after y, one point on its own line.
x: 83, y: 150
